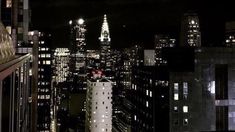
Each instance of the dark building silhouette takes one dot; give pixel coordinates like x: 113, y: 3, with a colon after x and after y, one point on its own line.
x: 149, y: 97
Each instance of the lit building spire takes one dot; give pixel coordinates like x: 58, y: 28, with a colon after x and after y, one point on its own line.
x: 105, y: 30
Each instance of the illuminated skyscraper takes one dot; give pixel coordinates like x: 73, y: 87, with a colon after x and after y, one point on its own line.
x: 44, y: 90
x: 60, y: 62
x: 105, y: 46
x: 99, y: 104
x: 190, y: 30
x: 78, y: 54
x: 162, y: 41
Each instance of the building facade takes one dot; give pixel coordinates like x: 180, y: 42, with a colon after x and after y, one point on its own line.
x: 162, y: 41
x: 61, y: 64
x: 77, y: 55
x: 202, y: 98
x: 44, y: 82
x: 99, y: 104
x: 105, y: 46
x: 149, y: 99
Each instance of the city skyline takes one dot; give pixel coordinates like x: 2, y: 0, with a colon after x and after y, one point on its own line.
x: 131, y: 24
x: 125, y: 66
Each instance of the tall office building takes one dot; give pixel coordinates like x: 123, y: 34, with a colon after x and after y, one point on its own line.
x: 137, y: 55
x: 190, y: 31
x: 78, y: 55
x: 105, y: 46
x: 149, y: 99
x: 15, y: 112
x: 15, y: 16
x: 99, y: 104
x: 61, y: 64
x: 230, y: 34
x: 202, y: 96
x: 162, y: 41
x: 44, y: 82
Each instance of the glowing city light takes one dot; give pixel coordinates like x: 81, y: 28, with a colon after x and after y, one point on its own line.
x: 70, y: 22
x: 80, y: 21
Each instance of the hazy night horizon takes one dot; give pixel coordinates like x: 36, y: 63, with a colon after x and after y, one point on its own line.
x: 117, y: 66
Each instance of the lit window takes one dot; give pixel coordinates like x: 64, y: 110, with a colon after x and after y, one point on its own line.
x: 185, y: 109
x: 8, y: 3
x: 185, y: 121
x: 176, y: 91
x: 135, y: 117
x: 147, y: 104
x: 150, y: 93
x: 48, y: 55
x: 48, y: 62
x: 147, y: 92
x: 176, y: 96
x: 175, y: 109
x: 185, y: 89
x: 42, y: 55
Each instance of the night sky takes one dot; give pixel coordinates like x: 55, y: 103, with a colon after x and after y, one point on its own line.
x: 131, y: 21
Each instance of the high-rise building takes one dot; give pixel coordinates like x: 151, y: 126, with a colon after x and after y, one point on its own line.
x: 230, y: 34
x: 162, y: 41
x: 137, y: 55
x: 149, y: 99
x: 190, y: 31
x: 202, y: 97
x: 78, y: 55
x: 15, y: 16
x: 44, y: 90
x: 99, y: 104
x: 61, y: 64
x: 105, y: 46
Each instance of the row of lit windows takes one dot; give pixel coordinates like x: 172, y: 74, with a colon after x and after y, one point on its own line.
x: 176, y: 90
x: 185, y: 109
x: 149, y: 93
x: 44, y: 96
x: 45, y: 62
x: 44, y: 55
x: 43, y: 49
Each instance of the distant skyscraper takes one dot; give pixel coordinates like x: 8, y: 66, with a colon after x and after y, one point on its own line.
x: 137, y: 55
x: 149, y: 57
x: 230, y: 34
x: 99, y: 104
x: 162, y: 41
x: 78, y: 55
x: 61, y: 64
x: 190, y: 30
x: 44, y: 82
x: 105, y: 46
